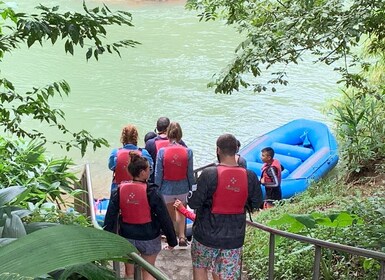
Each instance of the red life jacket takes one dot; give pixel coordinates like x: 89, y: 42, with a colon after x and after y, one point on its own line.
x: 277, y: 166
x: 175, y: 163
x: 133, y: 203
x: 123, y: 159
x: 231, y: 194
x: 161, y: 143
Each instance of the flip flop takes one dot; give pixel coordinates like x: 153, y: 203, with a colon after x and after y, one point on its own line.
x: 168, y: 248
x: 183, y: 241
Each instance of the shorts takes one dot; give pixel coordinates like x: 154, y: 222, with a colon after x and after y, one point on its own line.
x: 171, y: 198
x: 273, y: 193
x: 147, y: 247
x: 226, y: 263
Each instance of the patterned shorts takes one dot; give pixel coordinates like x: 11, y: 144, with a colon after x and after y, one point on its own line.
x: 147, y: 247
x: 226, y: 263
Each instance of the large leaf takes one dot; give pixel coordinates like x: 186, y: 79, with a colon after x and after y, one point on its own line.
x: 5, y: 241
x: 89, y: 271
x: 14, y: 227
x: 53, y: 248
x: 31, y: 227
x: 8, y: 194
x: 13, y: 276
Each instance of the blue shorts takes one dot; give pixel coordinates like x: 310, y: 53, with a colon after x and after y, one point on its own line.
x: 147, y: 247
x: 226, y: 263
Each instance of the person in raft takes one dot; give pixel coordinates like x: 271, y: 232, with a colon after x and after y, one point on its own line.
x: 224, y: 193
x: 271, y: 177
x: 119, y: 158
x: 139, y: 213
x: 174, y: 174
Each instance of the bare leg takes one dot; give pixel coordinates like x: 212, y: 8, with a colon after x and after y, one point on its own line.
x: 200, y: 274
x: 129, y: 268
x: 172, y: 212
x: 181, y: 224
x: 151, y: 259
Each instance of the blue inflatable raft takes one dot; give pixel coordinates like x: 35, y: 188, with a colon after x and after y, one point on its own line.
x: 306, y: 149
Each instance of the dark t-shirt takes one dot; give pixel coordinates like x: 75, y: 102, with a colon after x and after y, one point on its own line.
x: 219, y: 230
x: 148, y: 231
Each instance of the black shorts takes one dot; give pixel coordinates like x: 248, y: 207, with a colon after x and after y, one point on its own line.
x: 273, y: 193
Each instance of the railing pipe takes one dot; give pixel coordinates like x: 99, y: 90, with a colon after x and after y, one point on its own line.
x: 271, y: 256
x: 91, y: 198
x: 382, y: 271
x: 325, y: 244
x: 317, y: 262
x: 334, y: 246
x: 148, y: 267
x: 134, y: 256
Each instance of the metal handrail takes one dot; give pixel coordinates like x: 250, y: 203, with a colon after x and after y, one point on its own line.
x: 137, y: 259
x: 319, y: 244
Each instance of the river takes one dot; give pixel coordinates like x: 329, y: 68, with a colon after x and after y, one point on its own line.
x: 164, y: 76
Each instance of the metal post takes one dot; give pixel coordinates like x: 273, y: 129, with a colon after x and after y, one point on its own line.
x: 271, y: 256
x: 317, y: 262
x: 382, y: 271
x: 116, y: 267
x: 137, y: 272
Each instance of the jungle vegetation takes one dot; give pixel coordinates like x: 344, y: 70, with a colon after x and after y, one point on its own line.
x: 347, y: 35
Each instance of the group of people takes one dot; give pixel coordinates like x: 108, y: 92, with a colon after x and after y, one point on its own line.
x: 152, y: 186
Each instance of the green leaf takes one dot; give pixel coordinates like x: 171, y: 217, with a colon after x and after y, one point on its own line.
x: 14, y: 227
x: 13, y: 276
x: 88, y: 271
x: 10, y: 193
x: 306, y: 220
x: 61, y: 246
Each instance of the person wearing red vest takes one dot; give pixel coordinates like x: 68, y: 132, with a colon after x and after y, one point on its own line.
x: 223, y: 195
x: 139, y: 213
x: 154, y: 144
x: 271, y: 177
x: 174, y: 174
x: 119, y: 158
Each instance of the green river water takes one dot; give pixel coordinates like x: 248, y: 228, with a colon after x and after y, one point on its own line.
x: 165, y: 76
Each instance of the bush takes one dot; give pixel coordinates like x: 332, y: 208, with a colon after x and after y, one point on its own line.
x: 357, y: 222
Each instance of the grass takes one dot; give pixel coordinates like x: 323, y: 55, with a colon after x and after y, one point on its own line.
x: 326, y: 196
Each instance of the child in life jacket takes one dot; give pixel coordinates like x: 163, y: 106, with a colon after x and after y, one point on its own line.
x: 271, y: 177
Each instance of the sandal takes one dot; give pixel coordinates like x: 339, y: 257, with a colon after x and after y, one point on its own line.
x: 183, y: 241
x: 168, y: 248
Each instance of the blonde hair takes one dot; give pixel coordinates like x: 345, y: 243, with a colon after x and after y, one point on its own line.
x: 174, y: 132
x: 129, y: 135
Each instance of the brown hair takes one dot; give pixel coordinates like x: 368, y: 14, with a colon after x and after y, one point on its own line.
x: 174, y: 132
x: 228, y: 144
x: 129, y: 135
x: 137, y: 164
x: 162, y: 124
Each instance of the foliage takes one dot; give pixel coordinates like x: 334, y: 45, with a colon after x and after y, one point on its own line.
x: 27, y: 165
x: 360, y: 130
x: 357, y: 222
x: 50, y: 213
x: 280, y: 33
x: 56, y: 245
x: 62, y: 246
x: 49, y: 25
